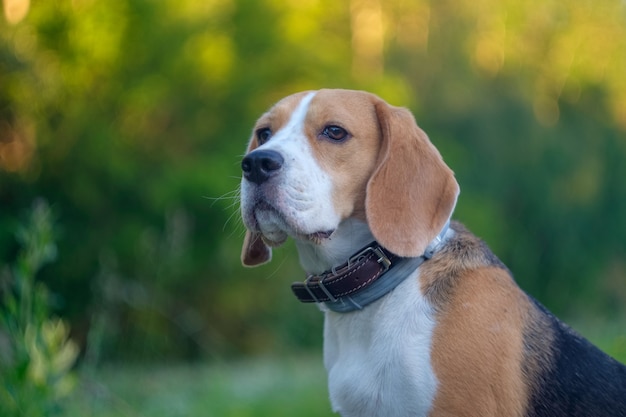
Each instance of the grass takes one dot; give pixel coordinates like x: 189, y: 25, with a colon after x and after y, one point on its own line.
x: 260, y: 387
x: 277, y: 387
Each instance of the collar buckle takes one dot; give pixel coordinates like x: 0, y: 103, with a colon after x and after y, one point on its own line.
x: 383, y: 259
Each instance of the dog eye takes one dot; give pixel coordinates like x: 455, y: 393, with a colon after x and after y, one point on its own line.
x: 263, y: 135
x: 335, y: 133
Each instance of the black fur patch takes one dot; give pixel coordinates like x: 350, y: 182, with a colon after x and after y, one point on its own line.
x: 574, y: 378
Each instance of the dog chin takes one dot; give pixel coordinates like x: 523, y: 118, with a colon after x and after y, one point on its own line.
x: 273, y: 234
x: 274, y: 240
x: 275, y: 228
x: 278, y: 237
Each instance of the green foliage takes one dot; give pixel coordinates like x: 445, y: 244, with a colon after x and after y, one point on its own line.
x: 126, y: 115
x: 37, y: 357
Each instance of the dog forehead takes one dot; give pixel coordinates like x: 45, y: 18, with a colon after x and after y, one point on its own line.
x: 326, y: 105
x: 351, y: 107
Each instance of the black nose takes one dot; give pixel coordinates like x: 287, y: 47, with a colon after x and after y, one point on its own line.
x: 260, y: 165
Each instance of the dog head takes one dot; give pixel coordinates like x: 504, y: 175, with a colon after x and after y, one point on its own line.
x: 322, y: 159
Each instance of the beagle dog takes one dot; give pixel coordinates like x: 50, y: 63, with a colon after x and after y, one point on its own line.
x: 421, y: 318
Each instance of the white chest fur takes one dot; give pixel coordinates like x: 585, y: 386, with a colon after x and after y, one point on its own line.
x: 378, y: 359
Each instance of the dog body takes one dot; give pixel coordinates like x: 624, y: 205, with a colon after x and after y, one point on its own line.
x: 452, y: 334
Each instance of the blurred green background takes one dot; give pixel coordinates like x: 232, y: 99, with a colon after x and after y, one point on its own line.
x: 130, y: 117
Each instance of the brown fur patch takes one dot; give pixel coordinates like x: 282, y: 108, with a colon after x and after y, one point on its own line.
x: 478, y: 344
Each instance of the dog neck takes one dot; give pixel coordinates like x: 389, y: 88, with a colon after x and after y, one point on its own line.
x: 350, y: 236
x: 336, y: 291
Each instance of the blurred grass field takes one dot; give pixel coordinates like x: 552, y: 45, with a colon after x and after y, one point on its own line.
x: 291, y: 386
x: 294, y: 386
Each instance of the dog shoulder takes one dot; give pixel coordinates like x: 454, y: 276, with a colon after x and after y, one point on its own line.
x: 489, y: 330
x: 463, y: 255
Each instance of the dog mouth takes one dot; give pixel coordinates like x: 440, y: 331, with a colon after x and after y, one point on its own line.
x: 319, y: 237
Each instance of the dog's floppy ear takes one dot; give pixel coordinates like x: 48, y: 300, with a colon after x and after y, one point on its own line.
x: 255, y: 251
x: 412, y: 192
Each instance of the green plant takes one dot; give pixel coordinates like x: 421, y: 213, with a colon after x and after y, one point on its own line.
x: 36, y: 355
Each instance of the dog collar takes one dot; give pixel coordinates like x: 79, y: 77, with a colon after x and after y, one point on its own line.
x: 358, y: 282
